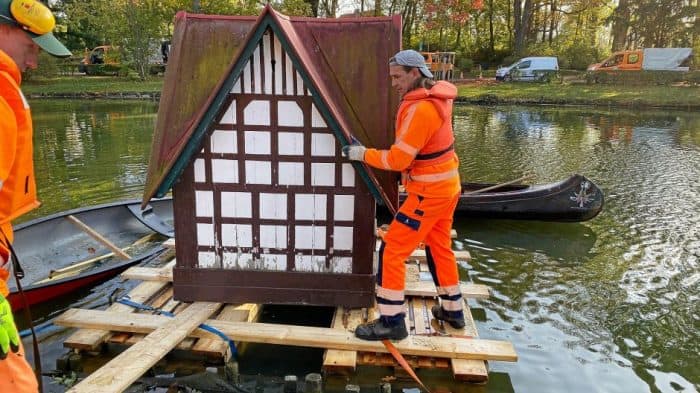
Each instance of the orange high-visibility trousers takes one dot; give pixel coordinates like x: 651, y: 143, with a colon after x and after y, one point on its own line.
x: 418, y: 220
x: 16, y: 375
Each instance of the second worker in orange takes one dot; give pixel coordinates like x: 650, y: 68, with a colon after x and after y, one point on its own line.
x: 423, y: 152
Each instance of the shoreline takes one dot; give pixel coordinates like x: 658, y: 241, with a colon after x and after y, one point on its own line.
x: 473, y: 92
x: 485, y: 99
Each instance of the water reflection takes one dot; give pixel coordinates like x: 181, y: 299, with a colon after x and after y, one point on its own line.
x: 89, y: 152
x: 615, y: 298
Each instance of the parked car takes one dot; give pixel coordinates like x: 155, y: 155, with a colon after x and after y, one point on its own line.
x: 529, y: 69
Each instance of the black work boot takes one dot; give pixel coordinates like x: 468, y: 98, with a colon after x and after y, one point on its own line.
x: 454, y: 318
x: 391, y: 328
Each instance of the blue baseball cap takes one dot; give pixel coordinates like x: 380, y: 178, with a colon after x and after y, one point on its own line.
x: 411, y: 58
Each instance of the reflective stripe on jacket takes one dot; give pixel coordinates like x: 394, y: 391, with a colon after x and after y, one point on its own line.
x: 423, y: 148
x: 18, y: 191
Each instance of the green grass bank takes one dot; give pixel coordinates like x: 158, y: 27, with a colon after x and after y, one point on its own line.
x: 472, y: 91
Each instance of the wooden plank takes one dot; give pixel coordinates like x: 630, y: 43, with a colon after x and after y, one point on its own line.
x: 338, y: 361
x: 119, y: 373
x: 467, y: 369
x: 305, y: 336
x: 427, y: 289
x: 419, y: 255
x: 230, y: 312
x: 170, y: 243
x: 421, y: 327
x: 413, y: 288
x: 89, y: 339
x: 95, y: 235
x: 147, y: 274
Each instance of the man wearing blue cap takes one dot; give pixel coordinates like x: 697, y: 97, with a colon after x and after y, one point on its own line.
x: 25, y: 27
x: 423, y: 152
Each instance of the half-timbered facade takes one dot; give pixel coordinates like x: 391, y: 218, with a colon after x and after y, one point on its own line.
x: 266, y: 208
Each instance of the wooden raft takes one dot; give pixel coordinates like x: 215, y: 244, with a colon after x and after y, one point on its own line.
x: 429, y: 345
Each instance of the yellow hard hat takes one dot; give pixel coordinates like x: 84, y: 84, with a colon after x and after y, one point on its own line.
x: 37, y: 20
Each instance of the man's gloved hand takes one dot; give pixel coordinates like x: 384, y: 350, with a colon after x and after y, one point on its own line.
x: 354, y: 152
x: 9, y: 338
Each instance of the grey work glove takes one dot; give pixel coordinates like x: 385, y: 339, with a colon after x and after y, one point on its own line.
x: 354, y: 152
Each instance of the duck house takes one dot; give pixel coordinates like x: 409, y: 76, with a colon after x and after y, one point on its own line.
x: 253, y: 115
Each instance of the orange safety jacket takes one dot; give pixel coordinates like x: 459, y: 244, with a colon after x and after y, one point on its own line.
x: 17, y: 185
x: 424, y: 146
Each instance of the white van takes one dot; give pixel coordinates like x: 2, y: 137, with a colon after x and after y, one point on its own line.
x: 529, y: 69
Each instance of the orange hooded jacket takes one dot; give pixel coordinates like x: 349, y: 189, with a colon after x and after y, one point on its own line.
x: 423, y: 149
x: 17, y: 185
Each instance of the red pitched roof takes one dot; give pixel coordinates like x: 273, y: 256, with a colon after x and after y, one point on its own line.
x: 345, y: 60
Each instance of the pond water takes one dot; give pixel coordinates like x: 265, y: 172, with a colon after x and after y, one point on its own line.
x: 608, y: 305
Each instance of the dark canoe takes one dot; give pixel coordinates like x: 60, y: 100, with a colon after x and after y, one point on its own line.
x: 53, y: 243
x: 571, y: 200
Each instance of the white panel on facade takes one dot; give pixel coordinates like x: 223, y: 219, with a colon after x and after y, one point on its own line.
x: 322, y: 145
x: 230, y: 115
x: 205, y: 234
x: 267, y: 61
x: 310, y: 263
x: 200, y: 175
x: 236, y: 235
x: 236, y: 204
x: 341, y: 265
x: 206, y: 260
x: 291, y: 174
x: 342, y: 238
x: 258, y: 172
x: 310, y: 207
x: 343, y: 207
x: 224, y: 171
x: 348, y: 175
x: 300, y: 85
x: 257, y: 142
x: 236, y: 86
x: 273, y: 236
x: 290, y: 143
x: 316, y: 118
x: 246, y: 78
x: 257, y: 72
x: 289, y: 76
x: 224, y: 141
x: 310, y: 237
x: 289, y: 114
x: 278, y: 65
x: 257, y: 113
x: 273, y: 262
x: 235, y: 260
x: 322, y: 174
x: 273, y: 206
x: 204, y: 203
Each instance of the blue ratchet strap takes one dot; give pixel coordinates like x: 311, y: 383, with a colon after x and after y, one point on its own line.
x: 231, y: 345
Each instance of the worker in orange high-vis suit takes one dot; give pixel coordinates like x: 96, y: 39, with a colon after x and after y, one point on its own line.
x: 423, y: 152
x: 25, y: 27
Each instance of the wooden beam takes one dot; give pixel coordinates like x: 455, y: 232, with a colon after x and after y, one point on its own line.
x: 427, y: 289
x: 464, y: 369
x: 304, y: 336
x: 420, y: 288
x: 230, y: 312
x: 119, y: 373
x: 95, y: 235
x: 419, y: 255
x: 339, y: 361
x: 89, y: 339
